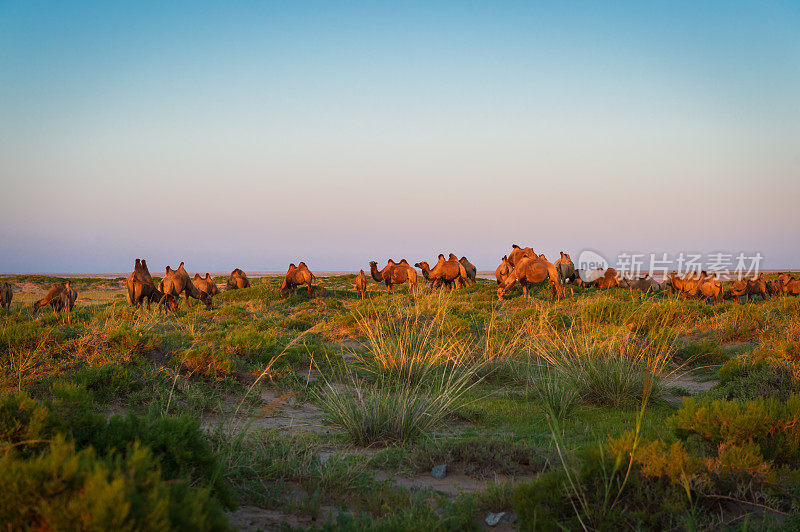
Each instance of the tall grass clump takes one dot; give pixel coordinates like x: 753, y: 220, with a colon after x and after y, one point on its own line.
x: 409, y: 342
x: 610, y: 366
x: 417, y: 376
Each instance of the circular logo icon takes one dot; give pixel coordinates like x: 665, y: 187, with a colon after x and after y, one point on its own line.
x: 590, y: 265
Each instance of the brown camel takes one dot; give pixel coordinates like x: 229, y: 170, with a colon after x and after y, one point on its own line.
x: 608, y: 279
x: 503, y: 270
x: 774, y: 287
x: 517, y: 253
x: 238, y: 279
x: 565, y: 268
x: 788, y: 284
x: 177, y: 281
x: 297, y: 276
x: 686, y: 286
x: 449, y: 271
x: 747, y: 288
x: 710, y: 287
x: 472, y: 271
x: 61, y: 296
x: 394, y: 273
x: 205, y: 284
x: 361, y: 283
x: 532, y: 270
x: 6, y: 295
x: 140, y: 287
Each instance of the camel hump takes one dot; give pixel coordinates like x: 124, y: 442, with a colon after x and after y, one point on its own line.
x: 197, y: 276
x: 138, y: 262
x: 169, y: 269
x: 208, y: 275
x: 515, y: 246
x: 181, y: 265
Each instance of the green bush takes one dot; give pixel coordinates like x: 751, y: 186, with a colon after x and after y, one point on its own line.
x: 770, y: 423
x: 65, y: 489
x: 178, y: 443
x: 105, y: 382
x: 746, y: 379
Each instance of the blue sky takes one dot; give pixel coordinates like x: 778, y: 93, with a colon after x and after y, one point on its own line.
x: 255, y: 134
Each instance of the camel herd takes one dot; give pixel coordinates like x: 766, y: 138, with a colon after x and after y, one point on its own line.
x: 521, y: 265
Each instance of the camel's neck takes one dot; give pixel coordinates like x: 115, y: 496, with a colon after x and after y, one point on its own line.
x: 373, y: 270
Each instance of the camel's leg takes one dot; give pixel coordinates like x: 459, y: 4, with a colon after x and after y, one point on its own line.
x: 309, y: 289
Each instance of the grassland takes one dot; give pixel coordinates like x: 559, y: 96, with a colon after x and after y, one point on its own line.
x: 610, y: 409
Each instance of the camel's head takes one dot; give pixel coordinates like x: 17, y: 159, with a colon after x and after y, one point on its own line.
x: 373, y: 264
x: 171, y: 303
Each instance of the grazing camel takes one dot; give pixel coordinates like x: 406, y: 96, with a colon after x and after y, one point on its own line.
x: 238, y: 279
x: 644, y: 284
x: 394, y: 273
x: 606, y: 279
x: 61, y: 296
x: 747, y: 288
x: 503, y: 270
x: 472, y: 271
x: 518, y: 253
x: 6, y: 295
x: 529, y: 270
x: 297, y: 276
x: 565, y: 268
x: 177, y: 281
x: 140, y: 287
x: 205, y: 284
x: 361, y: 283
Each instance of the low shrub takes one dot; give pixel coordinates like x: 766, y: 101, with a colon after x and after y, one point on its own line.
x: 207, y: 362
x: 62, y: 488
x: 769, y: 423
x: 745, y: 379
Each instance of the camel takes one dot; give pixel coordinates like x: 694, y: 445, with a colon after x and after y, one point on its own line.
x: 644, y: 284
x: 394, y: 273
x: 747, y: 288
x: 140, y: 287
x: 177, y: 281
x: 774, y: 287
x: 710, y: 287
x: 470, y: 268
x: 607, y: 279
x: 686, y: 286
x: 361, y: 283
x: 503, y: 270
x: 238, y: 279
x: 297, y: 276
x: 60, y: 296
x: 565, y: 268
x: 517, y: 253
x: 6, y: 295
x: 530, y: 270
x: 205, y: 284
x: 792, y: 287
x: 449, y: 272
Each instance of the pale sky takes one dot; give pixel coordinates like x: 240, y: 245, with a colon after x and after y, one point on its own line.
x: 254, y: 134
